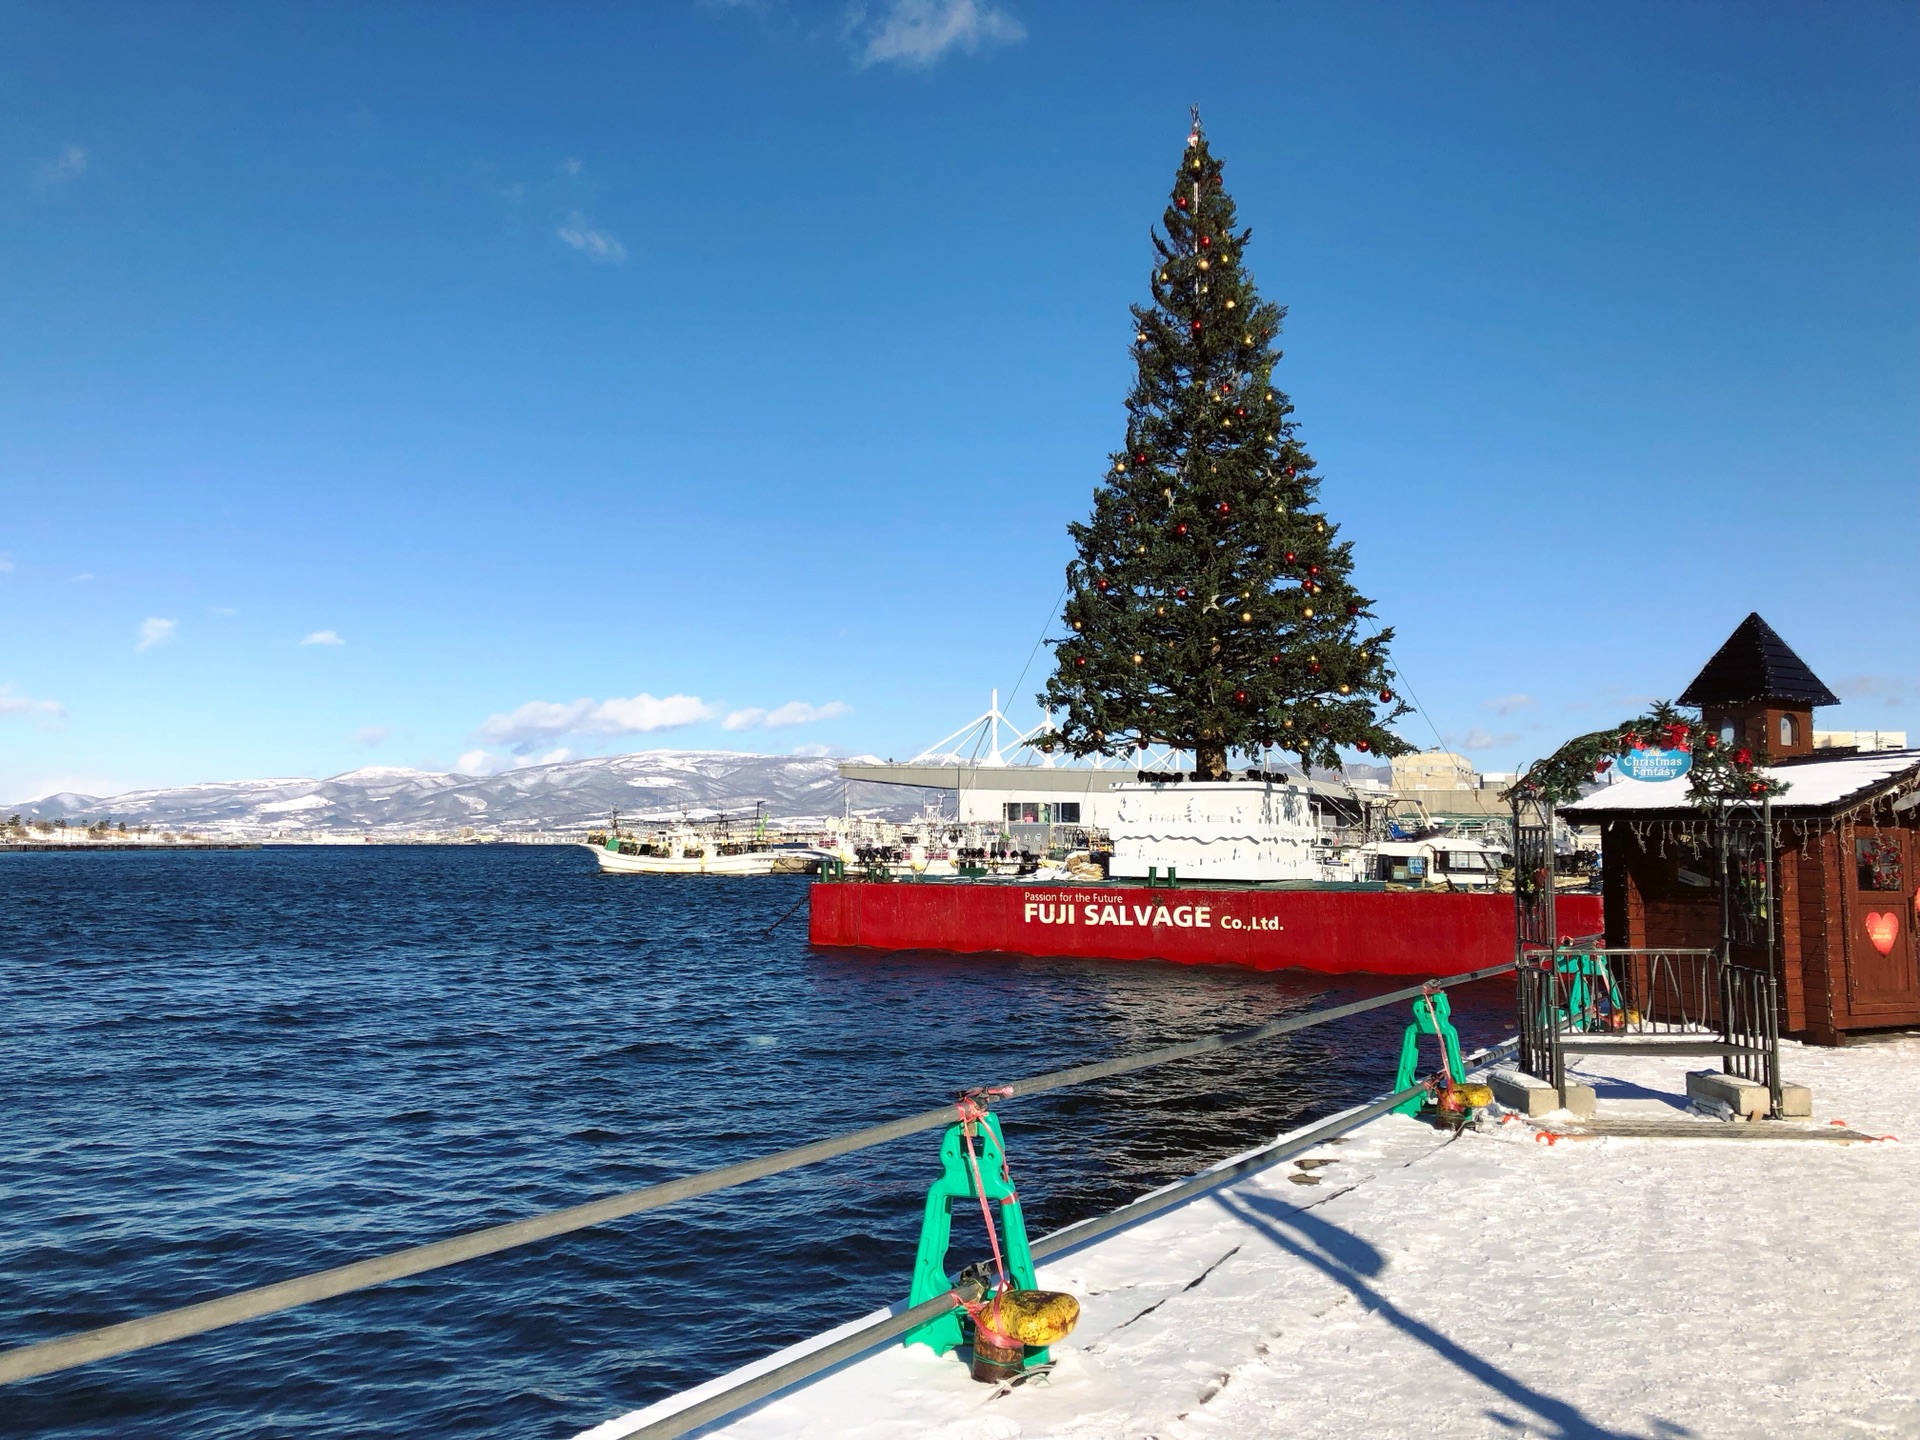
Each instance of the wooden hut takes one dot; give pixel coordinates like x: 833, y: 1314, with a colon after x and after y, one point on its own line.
x: 1844, y: 861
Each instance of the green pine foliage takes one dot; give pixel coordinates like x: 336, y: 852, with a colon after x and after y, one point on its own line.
x: 1210, y: 605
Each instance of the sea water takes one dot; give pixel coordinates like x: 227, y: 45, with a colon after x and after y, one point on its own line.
x: 220, y: 1069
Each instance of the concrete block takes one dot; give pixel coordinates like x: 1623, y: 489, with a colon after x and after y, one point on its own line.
x: 1579, y: 1099
x: 1522, y: 1093
x: 1745, y: 1098
x: 1796, y: 1102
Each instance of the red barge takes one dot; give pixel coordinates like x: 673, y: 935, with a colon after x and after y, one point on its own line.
x: 1334, y: 930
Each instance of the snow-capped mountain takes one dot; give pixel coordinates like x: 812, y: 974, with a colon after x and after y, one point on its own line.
x: 568, y: 795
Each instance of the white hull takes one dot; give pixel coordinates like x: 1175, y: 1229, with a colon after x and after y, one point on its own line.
x: 758, y: 862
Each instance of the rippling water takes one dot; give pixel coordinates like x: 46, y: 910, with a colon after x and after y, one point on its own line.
x: 220, y: 1069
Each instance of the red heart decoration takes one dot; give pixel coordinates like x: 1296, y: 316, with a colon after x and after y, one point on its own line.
x: 1881, y: 928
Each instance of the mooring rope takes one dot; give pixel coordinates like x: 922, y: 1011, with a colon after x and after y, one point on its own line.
x: 67, y: 1351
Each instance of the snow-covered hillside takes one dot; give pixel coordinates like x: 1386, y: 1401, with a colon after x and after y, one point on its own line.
x: 567, y: 795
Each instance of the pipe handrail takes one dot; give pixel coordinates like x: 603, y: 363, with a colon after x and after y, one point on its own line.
x: 65, y: 1352
x: 770, y: 1382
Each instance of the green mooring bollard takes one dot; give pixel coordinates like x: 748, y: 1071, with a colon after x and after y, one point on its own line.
x: 1439, y: 1024
x: 930, y: 1276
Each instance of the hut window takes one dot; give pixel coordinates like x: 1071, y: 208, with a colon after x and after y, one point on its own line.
x: 1789, y: 732
x: 1877, y: 864
x: 1726, y: 732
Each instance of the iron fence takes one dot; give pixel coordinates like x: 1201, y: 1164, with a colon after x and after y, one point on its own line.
x: 1592, y: 1000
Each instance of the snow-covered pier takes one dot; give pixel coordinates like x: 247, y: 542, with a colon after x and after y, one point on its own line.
x: 1405, y: 1281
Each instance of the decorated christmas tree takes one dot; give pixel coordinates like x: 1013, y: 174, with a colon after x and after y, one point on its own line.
x: 1210, y: 606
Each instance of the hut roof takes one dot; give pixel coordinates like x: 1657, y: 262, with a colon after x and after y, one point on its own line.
x: 1814, y: 787
x: 1754, y: 665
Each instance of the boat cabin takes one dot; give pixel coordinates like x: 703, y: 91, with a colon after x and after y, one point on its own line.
x: 1441, y: 864
x: 1844, y: 861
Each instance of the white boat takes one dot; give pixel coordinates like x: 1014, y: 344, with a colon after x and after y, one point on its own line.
x: 1434, y: 862
x: 682, y: 851
x: 695, y: 860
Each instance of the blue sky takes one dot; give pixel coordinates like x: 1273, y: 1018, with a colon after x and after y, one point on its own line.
x: 439, y: 383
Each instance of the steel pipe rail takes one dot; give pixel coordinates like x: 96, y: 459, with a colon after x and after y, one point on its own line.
x: 67, y: 1351
x: 756, y: 1388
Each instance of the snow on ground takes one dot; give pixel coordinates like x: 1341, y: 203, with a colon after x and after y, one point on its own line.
x: 1485, y: 1285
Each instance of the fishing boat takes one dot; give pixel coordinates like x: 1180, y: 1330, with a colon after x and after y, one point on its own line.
x: 687, y: 849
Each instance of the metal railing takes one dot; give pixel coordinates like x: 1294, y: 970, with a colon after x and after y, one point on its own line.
x: 67, y: 1351
x: 1577, y: 999
x: 755, y: 1388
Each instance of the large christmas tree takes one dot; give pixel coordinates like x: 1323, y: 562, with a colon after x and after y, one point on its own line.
x: 1209, y: 604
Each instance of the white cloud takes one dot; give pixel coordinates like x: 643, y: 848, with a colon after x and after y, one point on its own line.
x: 324, y: 637
x: 69, y: 164
x: 572, y: 167
x: 794, y: 712
x: 539, y: 720
x: 485, y: 762
x: 596, y: 244
x: 1875, y: 689
x: 6, y: 561
x: 918, y: 32
x: 371, y: 734
x: 155, y: 631
x: 1478, y: 739
x: 798, y: 712
x: 43, y: 710
x: 1509, y: 704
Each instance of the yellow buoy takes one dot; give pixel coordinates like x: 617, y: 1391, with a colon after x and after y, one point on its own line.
x: 1034, y: 1317
x: 1466, y: 1097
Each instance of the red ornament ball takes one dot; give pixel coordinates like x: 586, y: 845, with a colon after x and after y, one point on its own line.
x: 1205, y: 242
x: 1181, y: 593
x: 1181, y: 201
x: 1743, y: 756
x: 1757, y: 788
x: 1273, y: 660
x: 1353, y: 607
x: 1079, y: 662
x: 1313, y: 569
x: 1240, y: 410
x: 1239, y: 697
x: 1386, y: 697
x: 1289, y: 557
x: 1180, y: 529
x: 1289, y: 470
x: 1139, y: 459
x: 1360, y: 745
x: 1314, y: 666
x: 1196, y: 327
x: 1222, y: 507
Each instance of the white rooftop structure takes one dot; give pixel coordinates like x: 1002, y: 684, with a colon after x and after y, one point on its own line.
x: 1816, y: 784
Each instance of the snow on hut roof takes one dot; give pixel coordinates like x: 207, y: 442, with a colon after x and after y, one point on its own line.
x: 1756, y: 664
x: 1811, y: 785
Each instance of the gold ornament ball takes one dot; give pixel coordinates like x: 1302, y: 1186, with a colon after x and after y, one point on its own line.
x: 1343, y: 689
x: 1136, y: 659
x: 1308, y: 612
x: 1246, y: 617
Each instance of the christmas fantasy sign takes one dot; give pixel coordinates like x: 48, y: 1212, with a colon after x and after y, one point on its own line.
x: 1210, y: 606
x: 1655, y: 765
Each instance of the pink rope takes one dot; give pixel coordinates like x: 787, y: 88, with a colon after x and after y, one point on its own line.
x: 972, y: 1111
